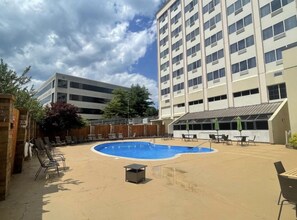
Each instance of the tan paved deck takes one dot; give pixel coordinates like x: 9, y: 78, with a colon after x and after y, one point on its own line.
x: 234, y: 183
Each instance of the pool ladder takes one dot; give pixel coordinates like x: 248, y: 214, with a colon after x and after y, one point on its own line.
x: 206, y: 142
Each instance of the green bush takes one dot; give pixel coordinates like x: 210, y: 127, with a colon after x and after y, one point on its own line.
x: 293, y: 141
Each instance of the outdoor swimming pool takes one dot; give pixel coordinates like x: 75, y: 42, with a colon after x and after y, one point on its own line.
x: 146, y: 150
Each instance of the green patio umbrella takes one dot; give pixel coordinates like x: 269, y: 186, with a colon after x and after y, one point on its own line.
x: 216, y: 125
x: 239, y: 125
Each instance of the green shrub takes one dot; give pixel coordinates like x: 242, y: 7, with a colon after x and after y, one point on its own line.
x: 293, y: 141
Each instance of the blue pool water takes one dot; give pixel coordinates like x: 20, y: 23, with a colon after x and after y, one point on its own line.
x: 146, y: 150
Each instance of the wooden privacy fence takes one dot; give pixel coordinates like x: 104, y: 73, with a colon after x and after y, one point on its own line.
x: 15, y: 130
x: 128, y: 131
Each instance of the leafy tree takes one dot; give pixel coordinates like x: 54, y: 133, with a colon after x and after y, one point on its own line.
x: 118, y: 106
x: 139, y: 101
x: 12, y: 83
x: 134, y: 102
x: 61, y: 116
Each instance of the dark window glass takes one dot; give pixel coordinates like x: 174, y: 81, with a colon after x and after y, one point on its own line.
x: 239, y: 24
x: 62, y: 83
x: 250, y: 125
x: 206, y: 126
x: 61, y: 97
x: 275, y: 4
x: 270, y: 57
x: 233, y: 48
x: 273, y: 92
x: 278, y: 28
x: 267, y: 33
x: 235, y: 68
x: 290, y: 23
x: 248, y: 20
x: 251, y: 62
x: 262, y: 125
x: 265, y: 10
x: 243, y: 65
x: 90, y: 111
x: 283, y: 92
x: 250, y: 41
x: 241, y: 45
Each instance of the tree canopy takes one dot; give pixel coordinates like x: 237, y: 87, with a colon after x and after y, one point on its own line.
x: 61, y: 116
x: 17, y: 85
x: 134, y: 102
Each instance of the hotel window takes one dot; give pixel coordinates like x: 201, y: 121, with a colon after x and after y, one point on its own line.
x: 178, y: 72
x: 163, y: 29
x: 240, y: 24
x: 273, y: 6
x: 176, y: 31
x: 216, y: 74
x: 192, y: 35
x: 165, y: 78
x: 244, y: 65
x: 194, y: 65
x: 237, y: 6
x: 62, y: 83
x: 196, y: 102
x: 61, y: 97
x: 177, y: 44
x: 279, y: 27
x: 240, y: 45
x: 195, y: 81
x: 175, y: 5
x: 164, y: 53
x: 274, y: 55
x: 191, y: 5
x: 211, y: 23
x: 193, y: 50
x: 215, y: 56
x: 277, y: 91
x: 162, y: 17
x: 163, y: 41
x: 217, y: 98
x: 246, y: 92
x: 210, y: 6
x: 165, y: 91
x: 175, y: 18
x: 214, y: 38
x: 178, y: 87
x: 191, y: 20
x: 164, y: 65
x: 177, y: 58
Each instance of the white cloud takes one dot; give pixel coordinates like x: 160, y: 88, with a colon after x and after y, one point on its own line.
x: 88, y: 40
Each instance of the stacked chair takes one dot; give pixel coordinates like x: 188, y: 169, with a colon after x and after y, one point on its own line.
x: 47, y: 158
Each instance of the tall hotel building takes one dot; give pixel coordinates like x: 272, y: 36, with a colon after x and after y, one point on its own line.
x: 89, y: 96
x: 223, y: 59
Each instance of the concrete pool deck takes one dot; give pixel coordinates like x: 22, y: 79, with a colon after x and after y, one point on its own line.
x: 234, y: 183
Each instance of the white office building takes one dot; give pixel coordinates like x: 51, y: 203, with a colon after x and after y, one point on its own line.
x: 89, y: 96
x: 223, y: 59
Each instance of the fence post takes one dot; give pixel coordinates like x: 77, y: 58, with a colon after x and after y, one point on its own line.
x: 6, y: 122
x: 20, y: 141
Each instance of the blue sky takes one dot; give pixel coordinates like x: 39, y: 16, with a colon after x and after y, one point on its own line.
x: 106, y: 40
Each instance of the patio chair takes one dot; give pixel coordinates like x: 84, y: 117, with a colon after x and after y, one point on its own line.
x: 74, y: 139
x: 59, y: 142
x: 225, y: 139
x: 69, y: 140
x: 242, y: 141
x: 112, y: 136
x: 289, y: 191
x: 213, y: 138
x: 81, y: 139
x: 47, y: 141
x: 279, y: 169
x: 99, y: 137
x: 46, y: 165
x: 91, y: 137
x: 56, y: 157
x: 194, y: 138
x: 184, y: 137
x: 120, y: 136
x: 252, y: 140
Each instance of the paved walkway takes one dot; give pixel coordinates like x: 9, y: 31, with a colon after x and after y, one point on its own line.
x: 234, y: 183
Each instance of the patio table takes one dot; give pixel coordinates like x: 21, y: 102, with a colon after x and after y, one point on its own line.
x: 290, y: 173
